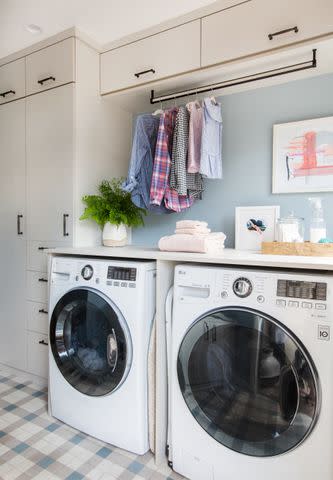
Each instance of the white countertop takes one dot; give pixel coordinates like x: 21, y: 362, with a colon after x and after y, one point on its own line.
x: 228, y: 257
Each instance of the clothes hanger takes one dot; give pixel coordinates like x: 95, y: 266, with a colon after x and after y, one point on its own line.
x: 159, y: 111
x: 212, y: 98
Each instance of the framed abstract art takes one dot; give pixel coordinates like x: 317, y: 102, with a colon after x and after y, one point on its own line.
x: 254, y: 225
x: 303, y: 156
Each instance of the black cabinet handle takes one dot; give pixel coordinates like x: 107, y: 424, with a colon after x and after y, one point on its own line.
x: 281, y: 32
x: 64, y: 224
x: 43, y: 280
x: 44, y: 248
x: 42, y: 342
x: 18, y: 221
x: 3, y: 94
x: 43, y: 80
x: 137, y: 75
x: 43, y: 311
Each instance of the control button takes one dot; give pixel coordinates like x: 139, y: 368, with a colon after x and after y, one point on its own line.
x: 123, y: 284
x: 87, y: 272
x: 260, y: 298
x: 224, y: 294
x: 281, y: 303
x: 242, y: 287
x: 131, y: 285
x: 320, y: 306
x: 108, y: 282
x: 97, y: 280
x: 116, y: 284
x: 77, y: 278
x: 306, y: 305
x: 293, y: 303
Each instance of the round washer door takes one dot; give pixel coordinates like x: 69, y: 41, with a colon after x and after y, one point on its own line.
x: 90, y: 342
x: 248, y: 381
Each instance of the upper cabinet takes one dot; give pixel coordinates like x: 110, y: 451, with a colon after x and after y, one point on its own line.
x: 260, y: 25
x: 168, y: 53
x: 50, y: 67
x: 12, y: 81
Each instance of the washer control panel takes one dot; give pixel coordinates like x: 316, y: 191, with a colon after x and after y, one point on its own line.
x: 301, y: 289
x: 242, y: 287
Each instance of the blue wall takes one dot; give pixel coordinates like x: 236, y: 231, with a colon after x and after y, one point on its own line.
x: 248, y: 118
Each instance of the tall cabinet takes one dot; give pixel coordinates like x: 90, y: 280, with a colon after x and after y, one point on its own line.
x: 12, y: 234
x: 55, y: 146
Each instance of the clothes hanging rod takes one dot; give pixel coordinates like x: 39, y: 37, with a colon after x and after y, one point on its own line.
x: 275, y: 72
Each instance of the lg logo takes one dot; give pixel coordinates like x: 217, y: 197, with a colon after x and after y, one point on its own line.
x: 323, y: 332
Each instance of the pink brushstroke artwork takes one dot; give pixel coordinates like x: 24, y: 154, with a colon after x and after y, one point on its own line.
x: 310, y: 154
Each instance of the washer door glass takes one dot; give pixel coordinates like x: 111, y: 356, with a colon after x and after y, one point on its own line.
x: 90, y: 342
x: 248, y: 382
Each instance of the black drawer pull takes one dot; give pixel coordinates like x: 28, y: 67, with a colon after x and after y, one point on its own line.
x: 18, y: 221
x: 43, y: 80
x: 43, y: 311
x: 137, y: 75
x: 42, y: 342
x: 44, y: 248
x: 42, y: 280
x: 64, y: 225
x: 3, y: 94
x: 281, y: 32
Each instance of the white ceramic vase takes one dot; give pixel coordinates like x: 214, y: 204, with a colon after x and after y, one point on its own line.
x: 115, y: 235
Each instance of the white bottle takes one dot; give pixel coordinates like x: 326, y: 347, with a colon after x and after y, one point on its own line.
x: 317, y: 224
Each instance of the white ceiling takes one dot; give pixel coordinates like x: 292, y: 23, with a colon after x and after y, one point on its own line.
x: 103, y: 20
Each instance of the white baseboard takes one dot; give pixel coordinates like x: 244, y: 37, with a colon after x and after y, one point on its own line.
x: 23, y: 376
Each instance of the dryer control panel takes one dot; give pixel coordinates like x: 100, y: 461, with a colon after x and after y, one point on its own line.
x: 121, y: 273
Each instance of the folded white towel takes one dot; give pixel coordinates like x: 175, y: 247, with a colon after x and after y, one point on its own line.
x: 212, y: 243
x: 193, y: 231
x: 190, y: 224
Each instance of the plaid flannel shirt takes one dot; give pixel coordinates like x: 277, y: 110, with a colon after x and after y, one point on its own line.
x: 160, y: 190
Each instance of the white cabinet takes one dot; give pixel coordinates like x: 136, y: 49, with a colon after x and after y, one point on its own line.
x: 50, y: 152
x: 37, y: 320
x: 50, y: 67
x: 13, y: 234
x: 260, y: 25
x: 168, y: 53
x: 12, y: 81
x: 38, y: 354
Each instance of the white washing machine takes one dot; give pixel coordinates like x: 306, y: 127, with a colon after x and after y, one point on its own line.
x: 251, y: 374
x: 101, y: 314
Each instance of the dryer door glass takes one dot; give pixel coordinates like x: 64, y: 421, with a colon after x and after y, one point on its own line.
x: 90, y: 342
x: 248, y: 381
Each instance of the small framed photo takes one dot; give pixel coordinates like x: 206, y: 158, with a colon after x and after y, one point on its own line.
x: 303, y: 156
x: 254, y: 225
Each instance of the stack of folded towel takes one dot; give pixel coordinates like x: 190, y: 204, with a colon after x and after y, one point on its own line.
x: 193, y: 236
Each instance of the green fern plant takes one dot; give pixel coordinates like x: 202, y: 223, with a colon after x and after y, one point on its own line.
x: 112, y: 205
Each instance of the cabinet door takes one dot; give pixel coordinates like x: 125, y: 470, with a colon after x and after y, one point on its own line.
x: 50, y: 150
x: 168, y: 53
x: 12, y: 234
x: 12, y: 81
x: 257, y: 25
x: 50, y: 67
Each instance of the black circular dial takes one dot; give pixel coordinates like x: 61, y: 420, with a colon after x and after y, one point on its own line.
x: 242, y: 287
x: 87, y: 272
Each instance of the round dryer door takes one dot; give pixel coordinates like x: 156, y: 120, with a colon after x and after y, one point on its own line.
x: 248, y: 381
x: 90, y: 342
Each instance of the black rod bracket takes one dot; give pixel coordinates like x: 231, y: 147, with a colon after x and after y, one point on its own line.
x: 275, y: 72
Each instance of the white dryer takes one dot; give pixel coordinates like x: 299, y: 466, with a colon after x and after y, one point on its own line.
x: 101, y: 314
x: 251, y: 374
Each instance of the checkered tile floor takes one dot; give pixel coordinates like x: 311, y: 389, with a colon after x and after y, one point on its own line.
x: 35, y: 446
